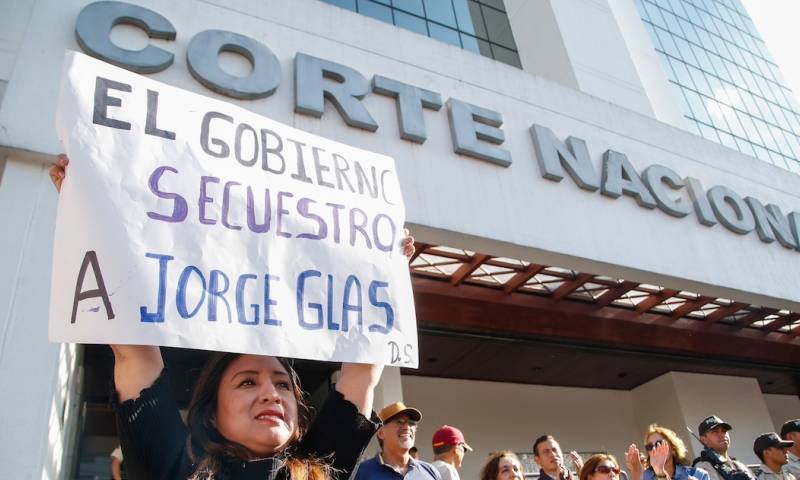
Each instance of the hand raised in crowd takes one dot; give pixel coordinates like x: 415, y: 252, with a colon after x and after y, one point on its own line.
x: 576, y: 460
x: 58, y: 171
x: 408, y: 244
x: 658, y: 458
x: 633, y: 461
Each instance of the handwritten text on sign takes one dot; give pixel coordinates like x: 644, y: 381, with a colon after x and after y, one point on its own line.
x: 189, y: 222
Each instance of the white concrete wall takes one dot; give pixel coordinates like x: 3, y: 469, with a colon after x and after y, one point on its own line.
x: 657, y: 402
x: 497, y: 416
x: 38, y: 401
x: 648, y: 66
x: 602, y: 63
x: 579, y: 44
x: 13, y: 26
x: 540, y: 41
x: 782, y: 408
x: 599, y: 47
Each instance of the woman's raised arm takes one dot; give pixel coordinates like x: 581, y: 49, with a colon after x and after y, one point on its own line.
x: 358, y: 381
x: 136, y: 367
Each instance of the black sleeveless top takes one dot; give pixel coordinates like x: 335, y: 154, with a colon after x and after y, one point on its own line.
x: 153, y: 438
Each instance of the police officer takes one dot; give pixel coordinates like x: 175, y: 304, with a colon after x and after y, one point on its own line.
x: 772, y: 451
x: 791, y: 431
x: 714, y: 458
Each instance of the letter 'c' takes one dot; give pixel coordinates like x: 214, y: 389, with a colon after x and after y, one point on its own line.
x: 93, y: 32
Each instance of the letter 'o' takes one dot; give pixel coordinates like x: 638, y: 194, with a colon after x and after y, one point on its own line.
x: 202, y: 57
x: 731, y: 210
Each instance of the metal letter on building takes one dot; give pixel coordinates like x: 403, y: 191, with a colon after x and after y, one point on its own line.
x: 410, y: 101
x: 705, y: 215
x: 555, y: 156
x: 202, y: 57
x: 469, y: 124
x: 93, y: 30
x: 316, y: 79
x: 731, y: 210
x: 794, y: 222
x: 771, y: 223
x: 655, y: 177
x: 619, y: 177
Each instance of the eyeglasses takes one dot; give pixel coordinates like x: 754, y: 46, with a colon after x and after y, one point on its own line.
x: 606, y: 469
x: 401, y: 422
x: 653, y: 445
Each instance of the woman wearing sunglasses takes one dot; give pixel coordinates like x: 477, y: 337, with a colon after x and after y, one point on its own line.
x: 666, y: 458
x: 600, y: 467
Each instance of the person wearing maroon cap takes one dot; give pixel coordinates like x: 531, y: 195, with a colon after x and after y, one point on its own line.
x: 449, y: 448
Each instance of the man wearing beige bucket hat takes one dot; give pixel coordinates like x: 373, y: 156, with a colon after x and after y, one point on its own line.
x: 396, y: 437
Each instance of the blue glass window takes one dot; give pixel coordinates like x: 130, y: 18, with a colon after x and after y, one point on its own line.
x: 730, y: 88
x: 480, y: 26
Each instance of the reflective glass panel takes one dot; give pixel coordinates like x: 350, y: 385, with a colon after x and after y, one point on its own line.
x: 480, y: 26
x: 730, y: 88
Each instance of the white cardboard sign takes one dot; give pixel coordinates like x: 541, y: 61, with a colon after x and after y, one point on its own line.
x: 189, y: 222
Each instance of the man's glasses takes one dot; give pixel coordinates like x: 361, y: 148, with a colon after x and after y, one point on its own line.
x: 401, y: 422
x: 606, y: 469
x: 651, y: 446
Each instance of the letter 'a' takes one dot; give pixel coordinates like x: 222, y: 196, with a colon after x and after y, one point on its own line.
x: 90, y: 259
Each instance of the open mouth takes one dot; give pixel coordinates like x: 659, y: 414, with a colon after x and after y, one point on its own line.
x: 270, y: 415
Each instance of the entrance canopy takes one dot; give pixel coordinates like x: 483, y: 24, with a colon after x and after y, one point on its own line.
x: 478, y: 313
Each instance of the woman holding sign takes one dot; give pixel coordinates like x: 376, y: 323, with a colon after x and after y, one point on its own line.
x: 247, y: 418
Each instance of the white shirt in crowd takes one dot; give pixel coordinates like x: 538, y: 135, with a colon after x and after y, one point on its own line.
x: 447, y: 471
x: 764, y: 473
x: 793, y: 466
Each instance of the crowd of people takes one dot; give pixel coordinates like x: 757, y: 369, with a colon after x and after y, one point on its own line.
x: 665, y: 455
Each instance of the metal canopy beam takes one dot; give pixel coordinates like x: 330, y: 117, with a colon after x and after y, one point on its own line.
x: 473, y: 308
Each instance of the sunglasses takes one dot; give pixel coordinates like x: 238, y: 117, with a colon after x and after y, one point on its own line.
x: 651, y: 446
x: 606, y: 469
x: 402, y: 422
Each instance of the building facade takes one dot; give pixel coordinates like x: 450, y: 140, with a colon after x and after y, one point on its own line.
x: 595, y: 252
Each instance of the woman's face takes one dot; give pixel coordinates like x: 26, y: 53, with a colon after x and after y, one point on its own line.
x: 605, y: 470
x: 653, y: 440
x: 508, y: 468
x: 256, y: 406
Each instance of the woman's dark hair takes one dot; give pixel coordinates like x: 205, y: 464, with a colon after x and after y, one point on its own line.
x: 591, y: 464
x: 491, y: 468
x: 208, y: 449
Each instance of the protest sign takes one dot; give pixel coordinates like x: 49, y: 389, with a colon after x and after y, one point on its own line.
x: 189, y: 222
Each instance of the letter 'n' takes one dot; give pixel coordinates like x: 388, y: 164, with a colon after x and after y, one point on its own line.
x: 90, y: 259
x: 572, y: 155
